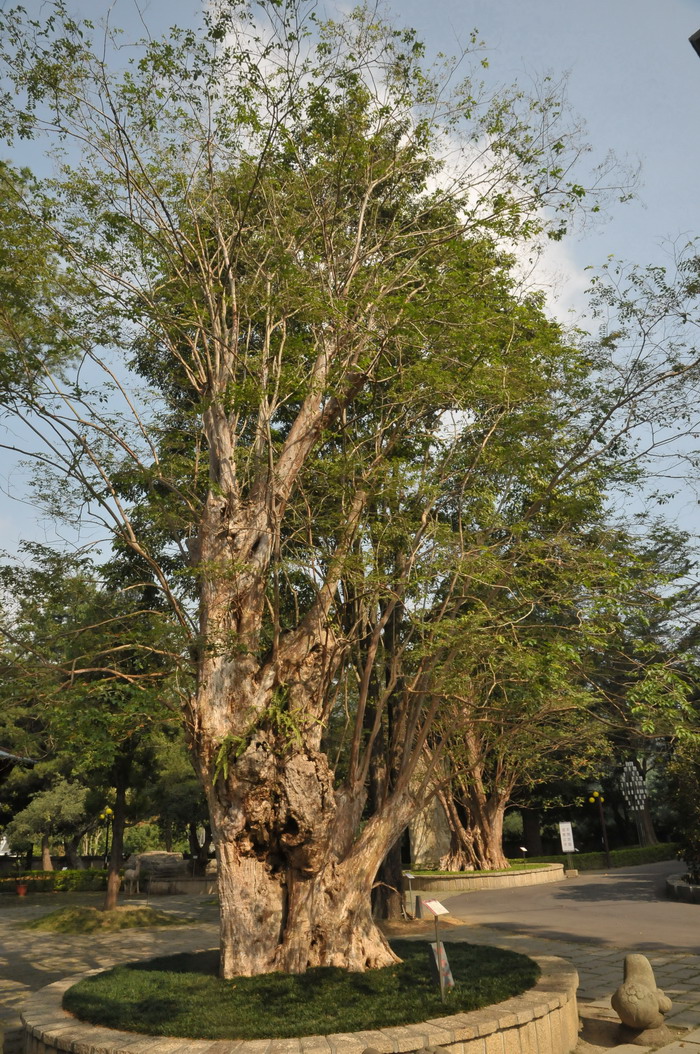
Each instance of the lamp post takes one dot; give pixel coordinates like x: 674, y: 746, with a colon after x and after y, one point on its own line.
x: 106, y: 815
x: 596, y: 796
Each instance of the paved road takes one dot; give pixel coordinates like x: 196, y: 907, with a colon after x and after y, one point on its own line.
x: 594, y: 921
x: 30, y: 959
x: 624, y: 908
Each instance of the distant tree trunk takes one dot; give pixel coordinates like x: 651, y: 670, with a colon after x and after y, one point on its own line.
x: 475, y: 820
x: 461, y: 855
x: 122, y: 771
x: 72, y: 847
x: 646, y: 823
x: 387, y: 894
x: 532, y: 835
x: 46, y: 863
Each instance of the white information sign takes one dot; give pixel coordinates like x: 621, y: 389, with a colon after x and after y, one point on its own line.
x: 409, y: 874
x: 436, y: 907
x: 566, y: 836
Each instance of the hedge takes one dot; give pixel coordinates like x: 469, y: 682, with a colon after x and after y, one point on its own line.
x: 636, y: 854
x: 56, y: 881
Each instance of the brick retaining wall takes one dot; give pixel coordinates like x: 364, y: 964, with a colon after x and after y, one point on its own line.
x: 543, y: 1020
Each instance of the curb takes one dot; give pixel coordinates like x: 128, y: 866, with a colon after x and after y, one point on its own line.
x: 543, y: 1020
x: 677, y: 888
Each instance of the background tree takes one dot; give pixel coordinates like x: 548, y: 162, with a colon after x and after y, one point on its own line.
x: 58, y: 813
x: 83, y: 661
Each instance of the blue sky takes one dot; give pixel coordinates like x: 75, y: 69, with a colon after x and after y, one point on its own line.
x: 632, y: 77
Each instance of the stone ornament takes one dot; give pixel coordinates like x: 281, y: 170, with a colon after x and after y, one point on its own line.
x: 640, y: 1005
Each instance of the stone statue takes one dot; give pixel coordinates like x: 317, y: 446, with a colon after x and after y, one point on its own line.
x: 640, y: 1004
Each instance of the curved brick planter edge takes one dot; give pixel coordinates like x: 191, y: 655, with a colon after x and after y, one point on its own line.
x: 678, y: 889
x: 476, y: 880
x: 543, y: 1020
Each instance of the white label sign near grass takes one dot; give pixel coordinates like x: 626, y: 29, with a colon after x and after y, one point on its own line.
x: 436, y: 907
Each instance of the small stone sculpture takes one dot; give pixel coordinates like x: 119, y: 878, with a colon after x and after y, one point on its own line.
x: 640, y: 1004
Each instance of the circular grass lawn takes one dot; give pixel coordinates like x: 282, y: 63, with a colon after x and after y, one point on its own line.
x: 182, y: 996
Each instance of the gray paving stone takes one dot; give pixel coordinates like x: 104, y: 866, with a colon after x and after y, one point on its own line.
x: 688, y: 1018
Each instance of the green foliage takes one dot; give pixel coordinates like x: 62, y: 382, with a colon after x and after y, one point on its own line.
x: 684, y: 772
x: 171, y: 796
x: 182, y: 996
x: 142, y: 837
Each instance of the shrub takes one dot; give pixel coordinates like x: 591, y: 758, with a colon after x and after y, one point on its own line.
x: 629, y: 857
x: 56, y: 881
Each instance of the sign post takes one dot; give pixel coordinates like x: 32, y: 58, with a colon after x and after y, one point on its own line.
x: 566, y: 837
x: 412, y: 907
x: 443, y: 967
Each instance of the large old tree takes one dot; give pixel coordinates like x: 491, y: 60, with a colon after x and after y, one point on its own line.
x: 275, y: 336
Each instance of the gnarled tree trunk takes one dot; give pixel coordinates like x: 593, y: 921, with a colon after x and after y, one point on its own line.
x: 295, y: 870
x: 295, y: 875
x: 476, y: 827
x: 122, y: 770
x: 388, y: 891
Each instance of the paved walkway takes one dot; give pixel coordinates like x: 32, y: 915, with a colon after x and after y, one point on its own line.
x: 30, y: 959
x: 593, y: 921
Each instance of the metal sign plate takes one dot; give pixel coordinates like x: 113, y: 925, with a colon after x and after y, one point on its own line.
x: 436, y: 907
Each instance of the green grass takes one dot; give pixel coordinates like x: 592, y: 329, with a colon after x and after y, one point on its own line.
x: 181, y: 995
x: 515, y: 865
x: 92, y: 920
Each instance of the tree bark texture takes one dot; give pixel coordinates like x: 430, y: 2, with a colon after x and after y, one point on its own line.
x: 295, y: 880
x: 116, y: 855
x: 72, y: 847
x: 46, y: 863
x: 388, y: 891
x: 476, y: 828
x: 295, y: 874
x: 647, y: 826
